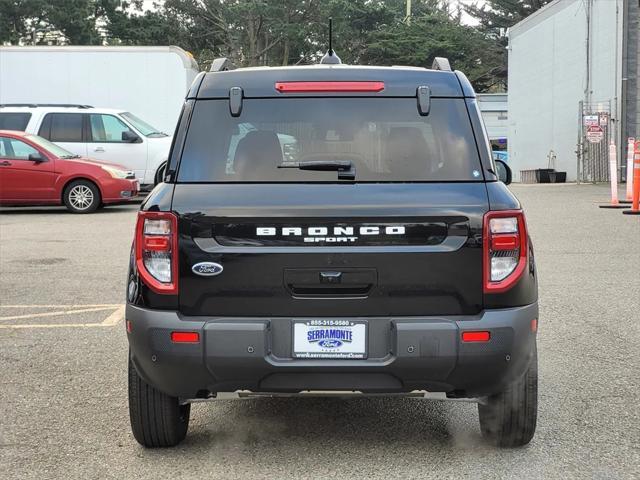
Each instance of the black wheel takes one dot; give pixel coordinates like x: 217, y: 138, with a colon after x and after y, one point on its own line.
x: 160, y: 173
x: 157, y: 419
x: 508, y: 419
x: 82, y: 196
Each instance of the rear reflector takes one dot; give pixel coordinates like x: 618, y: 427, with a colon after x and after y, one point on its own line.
x: 185, y: 337
x: 310, y: 87
x: 534, y: 325
x: 483, y: 336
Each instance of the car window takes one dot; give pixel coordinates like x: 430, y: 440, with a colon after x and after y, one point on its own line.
x: 14, y: 120
x: 14, y: 148
x: 107, y: 128
x: 385, y: 139
x: 62, y: 127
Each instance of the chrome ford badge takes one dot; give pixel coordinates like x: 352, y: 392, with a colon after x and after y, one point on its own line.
x: 207, y: 269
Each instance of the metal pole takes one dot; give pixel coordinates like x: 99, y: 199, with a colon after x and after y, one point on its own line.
x: 579, y: 145
x: 408, y: 16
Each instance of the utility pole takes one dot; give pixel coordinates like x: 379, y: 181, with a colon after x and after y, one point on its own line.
x: 407, y: 18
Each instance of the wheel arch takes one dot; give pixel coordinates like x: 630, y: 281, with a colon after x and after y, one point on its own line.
x: 87, y: 178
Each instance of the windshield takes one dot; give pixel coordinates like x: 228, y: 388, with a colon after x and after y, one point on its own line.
x: 143, y: 127
x: 384, y: 139
x: 51, y: 147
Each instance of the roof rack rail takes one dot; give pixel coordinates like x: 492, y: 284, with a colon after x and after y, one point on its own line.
x: 34, y: 105
x: 222, y: 64
x: 441, y: 63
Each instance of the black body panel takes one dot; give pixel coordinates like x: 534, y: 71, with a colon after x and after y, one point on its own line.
x: 415, y: 278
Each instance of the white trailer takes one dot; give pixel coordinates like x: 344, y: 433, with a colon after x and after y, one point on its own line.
x: 150, y: 82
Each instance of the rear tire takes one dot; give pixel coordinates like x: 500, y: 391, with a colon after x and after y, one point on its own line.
x: 157, y: 419
x: 508, y: 419
x: 82, y: 196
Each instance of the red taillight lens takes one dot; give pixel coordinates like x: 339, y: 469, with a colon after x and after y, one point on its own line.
x: 482, y: 336
x: 156, y: 246
x: 319, y: 87
x: 505, y: 245
x: 185, y: 337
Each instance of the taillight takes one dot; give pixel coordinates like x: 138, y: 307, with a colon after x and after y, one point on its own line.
x: 157, y: 251
x: 505, y: 246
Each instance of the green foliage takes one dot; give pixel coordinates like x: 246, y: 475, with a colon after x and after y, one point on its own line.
x: 502, y: 14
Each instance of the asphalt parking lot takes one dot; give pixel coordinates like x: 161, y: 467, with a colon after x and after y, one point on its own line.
x: 63, y: 350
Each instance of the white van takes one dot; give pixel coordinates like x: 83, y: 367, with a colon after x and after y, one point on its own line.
x: 103, y: 134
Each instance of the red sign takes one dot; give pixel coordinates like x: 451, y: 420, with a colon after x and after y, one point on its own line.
x: 595, y: 134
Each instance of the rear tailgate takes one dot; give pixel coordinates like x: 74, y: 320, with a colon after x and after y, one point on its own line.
x: 331, y: 249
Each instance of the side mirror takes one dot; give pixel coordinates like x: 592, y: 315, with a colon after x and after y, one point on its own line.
x: 130, y: 137
x: 36, y: 157
x: 503, y: 172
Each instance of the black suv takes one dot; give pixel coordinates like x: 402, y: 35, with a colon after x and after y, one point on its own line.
x: 332, y: 228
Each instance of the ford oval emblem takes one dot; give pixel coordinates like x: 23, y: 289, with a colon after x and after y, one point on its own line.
x: 207, y: 269
x: 330, y: 343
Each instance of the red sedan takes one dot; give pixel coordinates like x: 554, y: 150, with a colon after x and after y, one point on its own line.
x: 34, y: 171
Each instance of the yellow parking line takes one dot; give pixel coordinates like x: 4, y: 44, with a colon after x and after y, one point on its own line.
x: 113, y: 319
x: 54, y: 314
x: 96, y: 305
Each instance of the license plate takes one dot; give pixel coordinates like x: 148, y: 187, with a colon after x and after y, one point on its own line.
x: 330, y: 339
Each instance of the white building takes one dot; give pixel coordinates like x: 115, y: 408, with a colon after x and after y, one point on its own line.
x: 570, y: 58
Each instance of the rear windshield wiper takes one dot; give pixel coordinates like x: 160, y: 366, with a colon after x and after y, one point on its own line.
x: 345, y: 168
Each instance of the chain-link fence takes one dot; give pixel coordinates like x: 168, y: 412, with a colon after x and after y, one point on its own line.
x: 593, y: 142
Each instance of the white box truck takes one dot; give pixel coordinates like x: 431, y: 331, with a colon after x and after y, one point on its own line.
x: 58, y: 85
x: 150, y: 82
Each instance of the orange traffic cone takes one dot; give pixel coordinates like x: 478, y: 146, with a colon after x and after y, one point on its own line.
x: 635, y: 206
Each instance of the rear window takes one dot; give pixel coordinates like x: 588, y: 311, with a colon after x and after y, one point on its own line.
x: 14, y: 121
x: 386, y: 140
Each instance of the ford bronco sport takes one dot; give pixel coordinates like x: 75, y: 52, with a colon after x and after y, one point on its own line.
x: 332, y: 228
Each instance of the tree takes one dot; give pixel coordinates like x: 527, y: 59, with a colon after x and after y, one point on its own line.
x: 502, y: 14
x: 432, y: 35
x: 495, y: 17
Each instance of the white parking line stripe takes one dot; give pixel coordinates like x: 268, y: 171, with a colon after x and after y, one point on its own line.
x: 54, y: 314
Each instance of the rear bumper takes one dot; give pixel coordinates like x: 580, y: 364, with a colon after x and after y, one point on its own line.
x: 405, y: 354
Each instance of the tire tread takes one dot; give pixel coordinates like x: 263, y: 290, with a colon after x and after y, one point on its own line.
x: 157, y: 419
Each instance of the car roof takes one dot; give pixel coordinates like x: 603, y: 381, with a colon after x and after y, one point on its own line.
x: 48, y: 108
x: 258, y: 82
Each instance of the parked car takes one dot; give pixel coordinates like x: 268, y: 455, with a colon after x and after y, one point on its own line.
x: 387, y: 258
x: 34, y: 171
x: 106, y: 135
